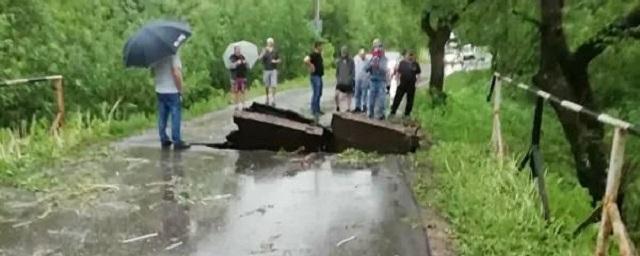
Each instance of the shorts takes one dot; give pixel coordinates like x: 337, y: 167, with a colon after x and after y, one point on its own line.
x: 348, y: 89
x: 239, y: 85
x: 270, y: 78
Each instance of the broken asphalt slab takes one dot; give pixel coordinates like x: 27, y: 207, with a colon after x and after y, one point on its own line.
x: 263, y: 127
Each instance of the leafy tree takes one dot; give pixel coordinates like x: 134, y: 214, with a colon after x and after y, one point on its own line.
x: 438, y: 18
x: 583, y: 51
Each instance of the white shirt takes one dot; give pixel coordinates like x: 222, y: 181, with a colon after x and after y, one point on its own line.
x: 162, y: 71
x: 360, y: 64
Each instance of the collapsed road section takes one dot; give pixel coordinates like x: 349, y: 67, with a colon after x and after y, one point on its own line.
x: 262, y: 127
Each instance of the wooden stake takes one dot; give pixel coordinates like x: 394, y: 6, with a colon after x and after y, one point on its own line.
x: 611, y: 195
x: 626, y: 245
x: 496, y: 136
x: 58, y: 122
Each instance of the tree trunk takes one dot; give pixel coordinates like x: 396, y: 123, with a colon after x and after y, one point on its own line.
x: 559, y: 76
x: 437, y: 44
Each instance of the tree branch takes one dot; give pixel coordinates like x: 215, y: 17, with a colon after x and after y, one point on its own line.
x: 526, y: 18
x: 626, y: 26
x: 426, y: 23
x: 469, y: 2
x: 455, y: 17
x: 448, y: 22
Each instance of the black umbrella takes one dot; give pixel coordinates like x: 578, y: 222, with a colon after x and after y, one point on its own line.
x: 154, y: 42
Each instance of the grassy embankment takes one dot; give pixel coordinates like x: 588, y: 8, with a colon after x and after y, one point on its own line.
x: 27, y: 154
x: 493, y: 211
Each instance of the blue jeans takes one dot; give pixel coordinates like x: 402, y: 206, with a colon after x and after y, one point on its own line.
x: 316, y: 87
x: 362, y: 91
x: 377, y: 99
x: 169, y: 104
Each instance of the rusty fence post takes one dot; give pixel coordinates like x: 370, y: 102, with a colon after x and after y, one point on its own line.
x: 611, y: 221
x: 496, y: 134
x: 58, y: 87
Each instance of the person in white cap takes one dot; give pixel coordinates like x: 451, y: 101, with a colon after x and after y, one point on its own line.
x: 270, y: 60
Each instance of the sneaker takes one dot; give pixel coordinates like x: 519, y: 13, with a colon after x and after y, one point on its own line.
x: 166, y: 144
x: 357, y: 110
x: 337, y: 109
x: 181, y: 146
x: 321, y: 113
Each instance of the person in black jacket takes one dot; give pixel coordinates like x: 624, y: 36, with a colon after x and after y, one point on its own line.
x: 345, y: 78
x: 315, y: 63
x: 408, y: 71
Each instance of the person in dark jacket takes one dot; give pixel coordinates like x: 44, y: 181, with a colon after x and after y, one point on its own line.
x: 315, y: 64
x: 239, y: 70
x: 345, y: 78
x: 408, y: 72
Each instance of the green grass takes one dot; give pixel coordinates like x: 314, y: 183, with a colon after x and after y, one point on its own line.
x: 497, y: 211
x: 26, y: 154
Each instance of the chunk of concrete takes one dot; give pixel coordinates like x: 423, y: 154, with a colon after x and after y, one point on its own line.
x: 258, y: 131
x: 277, y: 112
x: 359, y: 132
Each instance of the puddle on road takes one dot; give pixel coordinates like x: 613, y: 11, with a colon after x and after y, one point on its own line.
x: 223, y: 203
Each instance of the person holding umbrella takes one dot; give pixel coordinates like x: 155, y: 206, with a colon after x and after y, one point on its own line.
x: 155, y: 46
x: 239, y: 69
x: 169, y: 84
x: 239, y: 58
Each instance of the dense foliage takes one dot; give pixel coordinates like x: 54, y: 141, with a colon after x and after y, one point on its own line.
x: 494, y: 210
x: 83, y: 41
x: 516, y: 31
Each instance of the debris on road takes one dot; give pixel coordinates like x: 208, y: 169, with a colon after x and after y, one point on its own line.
x: 173, y: 246
x: 104, y: 187
x: 22, y: 224
x: 344, y: 241
x: 40, y: 217
x: 262, y: 210
x: 216, y: 197
x: 135, y: 239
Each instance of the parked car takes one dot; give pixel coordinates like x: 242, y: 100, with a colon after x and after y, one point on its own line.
x: 468, y: 53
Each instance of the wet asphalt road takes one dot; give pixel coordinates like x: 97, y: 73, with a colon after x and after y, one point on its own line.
x: 221, y: 202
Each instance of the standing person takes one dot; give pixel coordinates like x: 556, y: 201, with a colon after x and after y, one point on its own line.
x: 270, y: 60
x: 395, y: 78
x: 362, y: 83
x: 345, y: 78
x: 408, y: 71
x: 379, y: 76
x: 377, y: 44
x: 239, y: 69
x: 315, y: 63
x: 168, y: 82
